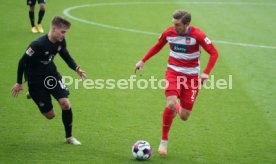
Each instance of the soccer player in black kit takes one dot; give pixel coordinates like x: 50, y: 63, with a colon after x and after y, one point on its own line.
x: 42, y: 5
x: 43, y: 78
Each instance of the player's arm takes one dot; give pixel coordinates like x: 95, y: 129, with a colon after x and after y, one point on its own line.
x: 151, y: 52
x: 209, y: 47
x: 71, y: 62
x: 21, y: 68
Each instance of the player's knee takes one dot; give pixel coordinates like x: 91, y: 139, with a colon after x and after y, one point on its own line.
x: 50, y: 115
x: 42, y: 6
x: 171, y: 105
x: 184, y: 114
x: 171, y: 102
x: 184, y: 117
x: 65, y: 104
x: 32, y: 8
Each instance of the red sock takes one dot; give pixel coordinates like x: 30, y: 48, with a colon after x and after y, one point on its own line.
x: 168, y: 116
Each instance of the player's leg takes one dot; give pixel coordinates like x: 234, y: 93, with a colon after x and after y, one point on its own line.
x: 187, y: 98
x: 42, y: 6
x: 184, y: 113
x: 67, y: 119
x: 60, y: 92
x: 31, y: 4
x: 42, y: 98
x: 168, y: 116
x: 170, y: 110
x: 50, y: 115
x: 67, y: 116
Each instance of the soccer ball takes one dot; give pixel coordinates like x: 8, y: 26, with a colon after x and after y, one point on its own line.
x: 141, y: 150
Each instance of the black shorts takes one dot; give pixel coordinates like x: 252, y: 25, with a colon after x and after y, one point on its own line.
x: 41, y: 93
x: 32, y: 2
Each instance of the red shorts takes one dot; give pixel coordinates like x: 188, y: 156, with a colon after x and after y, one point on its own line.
x: 185, y: 87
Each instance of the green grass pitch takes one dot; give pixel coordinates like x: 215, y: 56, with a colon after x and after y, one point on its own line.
x: 226, y: 126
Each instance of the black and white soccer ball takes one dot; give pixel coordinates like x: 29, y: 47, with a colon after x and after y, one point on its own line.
x: 141, y: 150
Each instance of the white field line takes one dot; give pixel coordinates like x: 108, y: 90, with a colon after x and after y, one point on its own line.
x: 66, y: 12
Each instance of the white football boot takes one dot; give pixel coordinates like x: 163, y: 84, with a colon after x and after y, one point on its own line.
x: 162, y: 150
x: 72, y: 140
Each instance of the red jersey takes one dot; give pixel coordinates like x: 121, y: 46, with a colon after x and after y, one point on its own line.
x: 185, y: 50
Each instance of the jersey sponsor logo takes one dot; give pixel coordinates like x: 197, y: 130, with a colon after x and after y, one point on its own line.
x: 30, y: 51
x: 207, y: 40
x: 46, y: 53
x: 179, y: 48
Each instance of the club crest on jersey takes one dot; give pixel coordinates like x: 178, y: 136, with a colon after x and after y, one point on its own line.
x: 59, y: 48
x: 30, y: 51
x: 46, y: 53
x: 188, y: 40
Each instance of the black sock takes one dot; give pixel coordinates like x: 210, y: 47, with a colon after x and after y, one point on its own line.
x: 67, y: 119
x: 40, y: 16
x: 31, y: 16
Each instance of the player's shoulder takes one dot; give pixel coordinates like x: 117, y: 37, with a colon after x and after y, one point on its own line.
x: 196, y: 32
x: 200, y: 35
x: 169, y: 30
x: 40, y: 41
x: 195, y: 29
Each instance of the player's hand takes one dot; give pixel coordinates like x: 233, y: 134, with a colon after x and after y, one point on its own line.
x: 203, y: 78
x: 81, y: 73
x: 139, y: 66
x: 16, y: 89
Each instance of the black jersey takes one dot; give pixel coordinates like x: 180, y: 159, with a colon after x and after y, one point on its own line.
x: 37, y: 61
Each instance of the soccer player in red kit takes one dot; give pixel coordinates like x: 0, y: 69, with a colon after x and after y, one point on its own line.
x: 183, y: 71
